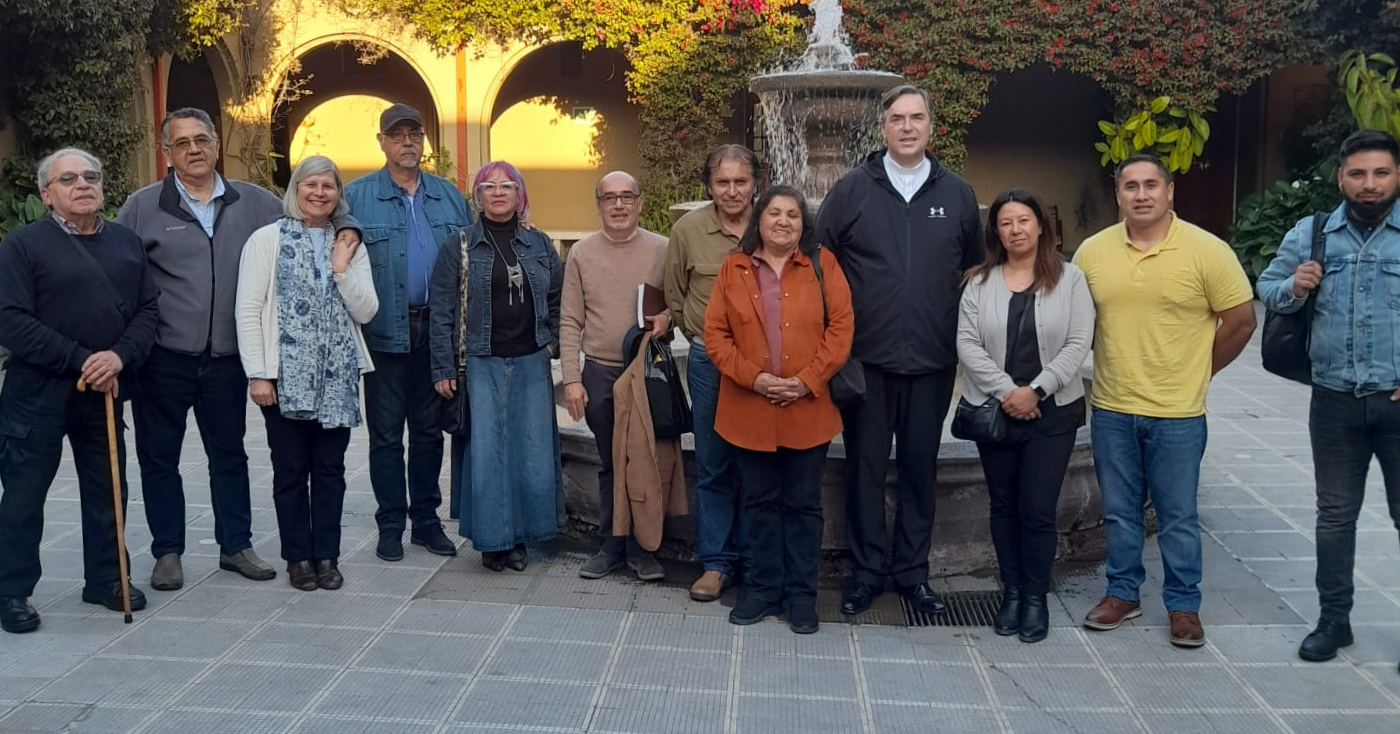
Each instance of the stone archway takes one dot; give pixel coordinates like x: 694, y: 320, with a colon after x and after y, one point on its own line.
x: 562, y: 115
x: 339, y: 114
x: 193, y: 84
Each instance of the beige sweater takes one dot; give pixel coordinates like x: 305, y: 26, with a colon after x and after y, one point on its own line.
x: 600, y: 296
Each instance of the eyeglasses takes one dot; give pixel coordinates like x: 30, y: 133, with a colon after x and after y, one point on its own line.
x: 70, y: 178
x: 398, y: 136
x: 628, y: 198
x: 491, y: 187
x: 198, y: 141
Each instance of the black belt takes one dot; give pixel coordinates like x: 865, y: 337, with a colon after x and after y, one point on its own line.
x: 417, y: 312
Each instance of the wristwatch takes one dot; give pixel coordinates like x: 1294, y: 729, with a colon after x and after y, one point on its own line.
x: 1039, y: 391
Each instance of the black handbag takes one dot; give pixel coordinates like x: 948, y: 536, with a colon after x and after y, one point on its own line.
x: 847, y: 386
x: 985, y: 423
x: 670, y: 410
x: 1287, y: 336
x: 456, y: 416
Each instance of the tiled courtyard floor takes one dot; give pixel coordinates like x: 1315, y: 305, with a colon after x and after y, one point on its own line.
x: 399, y: 652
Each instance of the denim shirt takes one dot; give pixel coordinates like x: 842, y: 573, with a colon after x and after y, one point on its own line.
x: 1356, y: 327
x: 377, y: 203
x: 543, y: 270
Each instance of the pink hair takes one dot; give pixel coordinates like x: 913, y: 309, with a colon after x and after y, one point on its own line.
x: 522, y: 205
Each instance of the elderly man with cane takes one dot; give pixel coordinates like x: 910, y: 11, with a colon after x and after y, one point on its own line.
x: 77, y: 304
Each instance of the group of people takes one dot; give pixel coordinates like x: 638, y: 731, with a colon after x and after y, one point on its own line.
x: 205, y: 287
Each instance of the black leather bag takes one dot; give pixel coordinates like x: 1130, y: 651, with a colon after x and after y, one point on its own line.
x: 456, y: 415
x: 847, y: 386
x: 670, y: 410
x: 983, y: 423
x: 1286, y: 336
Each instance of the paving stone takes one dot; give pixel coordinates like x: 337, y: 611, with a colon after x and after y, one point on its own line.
x: 425, y: 653
x: 285, y: 643
x: 699, y: 671
x: 227, y: 603
x: 139, y: 682
x: 918, y: 644
x: 167, y: 638
x: 207, y: 722
x: 1342, y: 724
x: 1077, y: 722
x: 433, y: 615
x: 548, y: 661
x: 766, y: 715
x: 1139, y: 645
x: 572, y: 625
x: 1331, y: 686
x: 772, y: 637
x: 341, y: 609
x: 1060, y: 648
x: 791, y: 676
x: 1262, y: 644
x: 365, y: 694
x: 1211, y: 723
x: 326, y: 725
x: 560, y: 706
x: 1039, y: 688
x: 889, y: 719
x: 72, y: 719
x: 1195, y: 686
x: 1375, y: 644
x: 631, y: 710
x: 680, y: 631
x: 1288, y: 545
x: 272, y: 689
x: 940, y: 683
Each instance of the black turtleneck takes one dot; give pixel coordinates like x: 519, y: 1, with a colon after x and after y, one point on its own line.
x: 512, y: 309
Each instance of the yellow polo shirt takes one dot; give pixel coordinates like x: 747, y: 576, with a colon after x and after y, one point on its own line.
x: 1157, y: 317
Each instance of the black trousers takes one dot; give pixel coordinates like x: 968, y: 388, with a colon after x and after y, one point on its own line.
x: 1023, y: 483
x: 36, y: 413
x: 1346, y: 432
x: 783, y: 521
x: 217, y: 390
x: 400, y: 391
x: 911, y: 409
x: 308, y: 485
x: 598, y: 381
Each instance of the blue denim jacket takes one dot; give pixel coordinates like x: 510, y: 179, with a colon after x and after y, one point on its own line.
x: 376, y: 203
x: 1356, y: 328
x: 543, y: 271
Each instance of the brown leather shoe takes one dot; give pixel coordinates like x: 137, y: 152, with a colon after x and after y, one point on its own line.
x: 1111, y: 612
x: 709, y: 586
x: 1187, y: 630
x: 301, y: 575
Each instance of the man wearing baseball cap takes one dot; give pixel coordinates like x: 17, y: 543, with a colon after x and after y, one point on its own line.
x: 405, y: 212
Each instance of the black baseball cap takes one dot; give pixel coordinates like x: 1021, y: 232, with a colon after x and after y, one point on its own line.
x: 400, y: 112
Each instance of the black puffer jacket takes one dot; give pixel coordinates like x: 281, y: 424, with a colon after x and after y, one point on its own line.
x: 904, y: 262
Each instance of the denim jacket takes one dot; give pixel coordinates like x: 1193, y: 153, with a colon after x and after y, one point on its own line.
x: 378, y: 206
x: 1356, y: 328
x: 543, y: 271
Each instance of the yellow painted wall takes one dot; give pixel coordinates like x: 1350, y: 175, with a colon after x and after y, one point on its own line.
x: 555, y: 155
x: 342, y: 128
x: 1038, y: 133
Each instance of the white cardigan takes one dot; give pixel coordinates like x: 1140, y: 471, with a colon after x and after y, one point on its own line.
x: 255, y: 307
x: 1064, y: 326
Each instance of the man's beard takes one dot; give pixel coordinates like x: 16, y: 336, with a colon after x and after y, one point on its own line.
x: 1371, y: 212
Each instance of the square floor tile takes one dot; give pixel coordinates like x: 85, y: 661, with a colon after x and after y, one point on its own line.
x: 1343, y: 724
x: 930, y: 682
x: 122, y: 680
x: 790, y: 676
x: 912, y: 644
x: 923, y: 720
x: 1038, y: 688
x: 548, y: 661
x: 1213, y: 723
x: 285, y: 643
x: 257, y: 688
x: 169, y: 638
x: 1330, y: 686
x: 768, y: 715
x: 457, y: 617
x: 1197, y: 687
x: 630, y: 710
x: 572, y: 625
x: 527, y: 704
x: 72, y: 719
x: 366, y: 694
x: 1069, y: 722
x: 324, y: 725
x: 425, y: 653
x: 206, y: 722
x: 700, y: 671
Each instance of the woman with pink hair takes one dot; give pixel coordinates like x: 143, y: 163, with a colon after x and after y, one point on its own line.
x: 508, y: 485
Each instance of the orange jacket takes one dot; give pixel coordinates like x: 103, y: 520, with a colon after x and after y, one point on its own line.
x: 738, y: 347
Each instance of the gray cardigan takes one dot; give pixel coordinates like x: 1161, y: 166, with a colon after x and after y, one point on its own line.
x: 1064, y: 327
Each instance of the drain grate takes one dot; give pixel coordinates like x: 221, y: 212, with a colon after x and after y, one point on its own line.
x: 965, y: 609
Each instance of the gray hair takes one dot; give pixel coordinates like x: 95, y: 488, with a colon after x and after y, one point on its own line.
x: 46, y: 165
x: 186, y: 113
x: 313, y: 166
x: 888, y: 100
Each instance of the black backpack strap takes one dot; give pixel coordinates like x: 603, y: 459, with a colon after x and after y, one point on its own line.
x: 816, y: 256
x: 112, y: 293
x: 1319, y: 240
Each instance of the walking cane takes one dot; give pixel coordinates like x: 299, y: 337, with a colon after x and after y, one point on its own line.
x: 116, y: 500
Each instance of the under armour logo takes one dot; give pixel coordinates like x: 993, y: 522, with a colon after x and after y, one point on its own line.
x: 937, y: 212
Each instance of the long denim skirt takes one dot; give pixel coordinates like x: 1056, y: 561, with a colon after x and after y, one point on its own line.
x: 509, y: 486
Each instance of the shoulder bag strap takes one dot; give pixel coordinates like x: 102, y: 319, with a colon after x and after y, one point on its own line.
x: 821, y: 284
x: 112, y: 292
x: 1319, y: 254
x: 462, y: 284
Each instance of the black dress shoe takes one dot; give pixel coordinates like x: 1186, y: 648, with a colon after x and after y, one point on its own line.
x: 1035, y: 618
x: 390, y: 547
x: 1008, y: 619
x: 753, y: 611
x: 494, y: 560
x: 434, y: 540
x: 328, y: 575
x: 858, y: 598
x: 110, y: 595
x: 17, y: 615
x: 802, y: 618
x: 1324, y: 641
x: 301, y: 575
x: 517, y: 559
x: 922, y: 599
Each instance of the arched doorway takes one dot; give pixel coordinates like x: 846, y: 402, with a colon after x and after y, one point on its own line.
x: 338, y: 115
x: 192, y: 84
x: 563, y: 117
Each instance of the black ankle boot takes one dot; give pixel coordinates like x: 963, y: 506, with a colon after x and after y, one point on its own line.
x: 1035, y: 618
x: 1008, y: 619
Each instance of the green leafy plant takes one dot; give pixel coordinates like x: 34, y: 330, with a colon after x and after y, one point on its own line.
x: 17, y: 211
x: 1370, y: 90
x: 1174, y: 134
x: 1264, y: 218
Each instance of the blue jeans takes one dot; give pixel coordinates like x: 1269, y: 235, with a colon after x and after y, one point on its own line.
x: 217, y: 390
x: 1136, y: 457
x: 716, y: 491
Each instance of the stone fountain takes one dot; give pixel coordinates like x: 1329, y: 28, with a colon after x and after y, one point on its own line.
x: 821, y: 118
